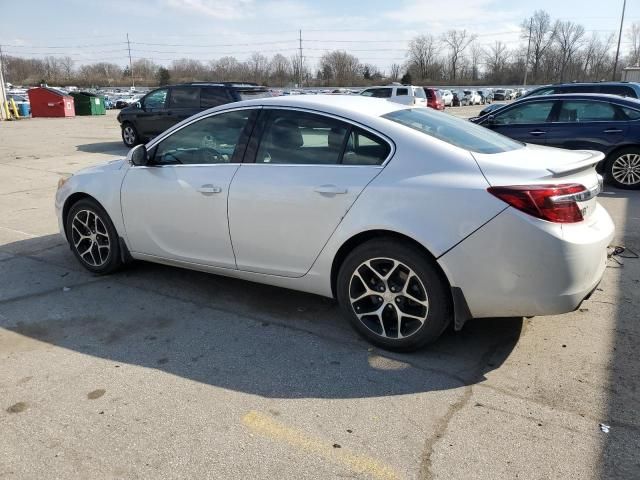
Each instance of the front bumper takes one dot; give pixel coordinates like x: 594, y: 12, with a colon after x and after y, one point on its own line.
x: 519, y: 266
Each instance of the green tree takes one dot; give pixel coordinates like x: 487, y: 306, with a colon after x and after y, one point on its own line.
x: 163, y: 76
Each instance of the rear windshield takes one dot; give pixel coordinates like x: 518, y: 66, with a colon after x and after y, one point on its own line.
x: 249, y: 94
x: 455, y: 131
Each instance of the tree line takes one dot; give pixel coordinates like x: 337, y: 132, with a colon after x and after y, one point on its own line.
x: 558, y: 50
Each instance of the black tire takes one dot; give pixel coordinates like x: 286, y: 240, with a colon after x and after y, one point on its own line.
x: 130, y: 135
x: 88, y: 238
x: 437, y: 313
x: 615, y: 165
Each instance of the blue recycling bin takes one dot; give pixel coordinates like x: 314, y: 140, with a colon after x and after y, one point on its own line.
x: 24, y: 109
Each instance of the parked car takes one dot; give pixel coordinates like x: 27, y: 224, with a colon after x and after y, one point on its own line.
x: 606, y: 123
x: 486, y: 96
x: 623, y: 89
x: 511, y: 94
x: 434, y: 98
x: 457, y: 98
x: 420, y: 236
x: 404, y: 94
x: 470, y: 97
x: 164, y: 107
x: 447, y: 98
x: 500, y: 94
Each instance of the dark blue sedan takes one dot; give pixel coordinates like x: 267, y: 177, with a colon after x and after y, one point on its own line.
x: 607, y: 123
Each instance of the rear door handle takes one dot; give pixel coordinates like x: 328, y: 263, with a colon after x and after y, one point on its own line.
x: 537, y: 133
x: 612, y: 130
x: 330, y: 190
x: 207, y: 189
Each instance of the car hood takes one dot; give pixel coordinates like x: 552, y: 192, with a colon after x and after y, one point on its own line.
x: 103, y: 167
x: 536, y: 163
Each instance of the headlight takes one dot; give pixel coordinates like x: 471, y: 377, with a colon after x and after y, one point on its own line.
x: 62, y: 181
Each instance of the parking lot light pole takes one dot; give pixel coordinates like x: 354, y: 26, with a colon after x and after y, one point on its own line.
x: 615, y: 63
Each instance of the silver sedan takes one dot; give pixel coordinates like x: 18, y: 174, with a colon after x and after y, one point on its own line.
x: 413, y: 220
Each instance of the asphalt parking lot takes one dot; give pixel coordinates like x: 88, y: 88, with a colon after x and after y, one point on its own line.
x: 157, y: 372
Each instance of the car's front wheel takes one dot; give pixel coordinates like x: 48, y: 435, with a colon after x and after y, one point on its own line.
x: 393, y: 295
x: 130, y: 135
x: 623, y: 168
x: 92, y: 237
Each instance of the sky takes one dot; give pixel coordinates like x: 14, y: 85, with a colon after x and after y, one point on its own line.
x: 376, y: 31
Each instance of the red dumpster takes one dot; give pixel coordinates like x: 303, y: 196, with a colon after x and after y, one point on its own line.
x: 49, y: 102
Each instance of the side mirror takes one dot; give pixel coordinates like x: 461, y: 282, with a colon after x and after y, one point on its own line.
x: 138, y: 156
x: 138, y: 105
x: 491, y: 120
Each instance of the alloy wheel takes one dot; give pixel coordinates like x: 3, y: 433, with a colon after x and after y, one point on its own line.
x: 626, y: 169
x: 129, y: 135
x: 388, y: 298
x: 90, y: 238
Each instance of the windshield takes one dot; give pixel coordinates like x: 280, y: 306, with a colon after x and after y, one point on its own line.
x: 250, y: 94
x: 455, y: 131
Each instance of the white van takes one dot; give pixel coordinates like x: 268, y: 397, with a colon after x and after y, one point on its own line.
x: 405, y: 94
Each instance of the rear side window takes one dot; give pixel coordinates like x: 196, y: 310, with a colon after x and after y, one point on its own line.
x: 364, y: 148
x: 184, y: 97
x: 377, y: 93
x: 582, y: 111
x: 213, y: 97
x: 249, y: 94
x: 620, y: 90
x: 455, y: 131
x: 402, y: 91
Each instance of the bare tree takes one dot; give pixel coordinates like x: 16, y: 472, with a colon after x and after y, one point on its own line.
x: 258, y: 66
x: 457, y: 41
x: 633, y: 34
x: 394, y: 72
x: 568, y: 38
x: 421, y: 55
x: 343, y: 67
x: 66, y: 68
x: 597, y: 56
x: 496, y: 58
x: 542, y: 35
x: 280, y: 68
x: 476, y: 57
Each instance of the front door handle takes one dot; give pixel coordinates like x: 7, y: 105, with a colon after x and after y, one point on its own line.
x: 537, y: 133
x: 612, y: 130
x: 330, y: 190
x: 208, y: 189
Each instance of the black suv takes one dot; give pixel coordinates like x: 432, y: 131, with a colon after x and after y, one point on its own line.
x: 164, y: 107
x: 622, y: 89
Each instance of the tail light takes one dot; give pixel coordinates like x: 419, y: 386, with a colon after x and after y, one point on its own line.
x: 554, y: 203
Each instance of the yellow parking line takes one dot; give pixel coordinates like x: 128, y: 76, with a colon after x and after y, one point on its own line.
x: 267, y: 427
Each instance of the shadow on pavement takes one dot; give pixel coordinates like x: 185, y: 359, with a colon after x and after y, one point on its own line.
x: 228, y: 333
x: 114, y: 148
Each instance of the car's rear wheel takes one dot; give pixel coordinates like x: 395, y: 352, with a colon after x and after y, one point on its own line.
x: 130, y: 135
x: 623, y: 168
x: 92, y: 237
x: 393, y: 295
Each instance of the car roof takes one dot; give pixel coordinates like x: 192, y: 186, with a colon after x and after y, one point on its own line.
x: 634, y: 102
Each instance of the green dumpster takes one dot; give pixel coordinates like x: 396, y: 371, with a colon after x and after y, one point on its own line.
x: 88, y: 103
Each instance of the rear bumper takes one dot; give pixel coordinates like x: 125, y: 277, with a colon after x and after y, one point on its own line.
x: 517, y: 265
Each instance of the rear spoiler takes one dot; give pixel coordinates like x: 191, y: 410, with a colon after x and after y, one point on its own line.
x: 592, y: 159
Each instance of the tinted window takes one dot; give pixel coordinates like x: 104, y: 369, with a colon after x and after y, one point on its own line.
x: 213, y: 97
x: 155, y: 99
x: 581, y: 111
x: 207, y: 141
x: 364, y: 148
x: 542, y: 91
x: 249, y: 94
x: 430, y: 94
x: 631, y: 113
x: 301, y: 138
x: 620, y: 90
x: 377, y: 93
x: 184, y: 97
x: 534, y: 112
x: 455, y: 131
x: 402, y: 91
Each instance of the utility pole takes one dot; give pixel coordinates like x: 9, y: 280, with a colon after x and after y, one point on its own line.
x: 133, y: 81
x: 300, y: 66
x: 526, y: 64
x: 615, y: 63
x: 3, y: 94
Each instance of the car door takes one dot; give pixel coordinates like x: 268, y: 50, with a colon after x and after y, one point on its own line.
x: 176, y: 207
x: 587, y: 125
x: 527, y: 122
x: 306, y: 171
x: 184, y: 101
x: 151, y: 118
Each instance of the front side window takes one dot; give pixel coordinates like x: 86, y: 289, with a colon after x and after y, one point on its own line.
x: 535, y: 112
x: 455, y: 131
x: 210, y: 140
x: 631, y: 113
x: 300, y: 138
x: 155, y: 99
x: 184, y: 97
